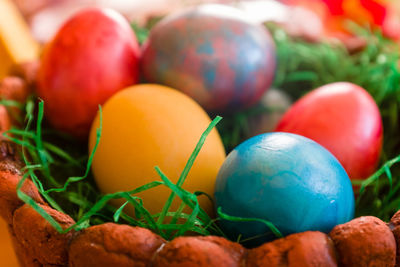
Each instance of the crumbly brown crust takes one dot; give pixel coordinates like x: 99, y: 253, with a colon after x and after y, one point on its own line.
x: 9, y: 201
x: 394, y: 225
x: 364, y: 241
x: 111, y: 244
x: 297, y: 250
x: 39, y: 240
x: 192, y: 251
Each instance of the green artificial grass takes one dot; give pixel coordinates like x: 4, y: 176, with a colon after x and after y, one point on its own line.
x: 304, y: 66
x: 53, y: 160
x: 68, y: 194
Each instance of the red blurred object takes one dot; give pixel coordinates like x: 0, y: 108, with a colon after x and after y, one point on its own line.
x: 344, y: 119
x: 335, y: 14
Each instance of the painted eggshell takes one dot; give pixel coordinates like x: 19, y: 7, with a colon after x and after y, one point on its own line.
x: 214, y: 54
x: 343, y: 118
x: 286, y: 179
x: 94, y: 55
x: 151, y: 125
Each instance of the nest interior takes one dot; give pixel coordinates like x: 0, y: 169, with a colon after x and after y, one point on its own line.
x: 364, y: 241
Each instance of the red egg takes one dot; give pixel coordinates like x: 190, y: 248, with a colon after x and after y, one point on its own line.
x: 343, y: 118
x: 94, y: 55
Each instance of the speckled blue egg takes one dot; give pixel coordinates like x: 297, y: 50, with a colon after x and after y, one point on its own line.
x: 213, y: 53
x: 286, y: 179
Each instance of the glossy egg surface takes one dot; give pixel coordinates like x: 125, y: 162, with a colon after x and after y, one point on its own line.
x: 94, y: 55
x: 343, y: 118
x: 286, y: 179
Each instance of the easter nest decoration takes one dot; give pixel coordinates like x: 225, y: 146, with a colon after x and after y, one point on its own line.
x: 57, y: 218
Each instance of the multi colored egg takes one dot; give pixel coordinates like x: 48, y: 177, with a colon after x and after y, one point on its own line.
x: 286, y: 179
x: 214, y: 54
x: 152, y: 125
x: 344, y: 119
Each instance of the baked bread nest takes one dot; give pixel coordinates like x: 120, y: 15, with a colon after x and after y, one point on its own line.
x: 364, y: 241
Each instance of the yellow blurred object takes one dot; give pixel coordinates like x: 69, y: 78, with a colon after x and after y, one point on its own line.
x: 16, y: 43
x: 151, y: 125
x: 7, y: 254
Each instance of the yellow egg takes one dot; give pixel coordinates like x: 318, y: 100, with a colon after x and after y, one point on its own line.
x: 151, y: 125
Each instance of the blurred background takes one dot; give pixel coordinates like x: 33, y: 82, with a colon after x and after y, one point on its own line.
x: 314, y: 17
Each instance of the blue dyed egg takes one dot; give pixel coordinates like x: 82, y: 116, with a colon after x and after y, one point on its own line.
x: 286, y: 179
x: 214, y: 54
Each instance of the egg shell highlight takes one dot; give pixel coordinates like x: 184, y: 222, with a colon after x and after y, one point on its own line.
x: 286, y: 179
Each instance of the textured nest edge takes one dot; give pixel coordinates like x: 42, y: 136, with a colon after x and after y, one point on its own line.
x: 364, y: 241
